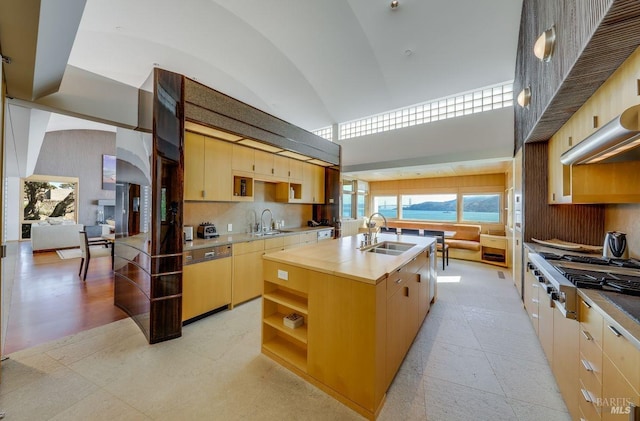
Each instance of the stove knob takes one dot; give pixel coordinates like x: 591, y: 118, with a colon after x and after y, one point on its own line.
x: 563, y: 297
x: 554, y: 296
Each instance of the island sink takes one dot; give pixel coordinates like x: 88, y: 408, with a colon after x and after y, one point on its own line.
x: 389, y: 247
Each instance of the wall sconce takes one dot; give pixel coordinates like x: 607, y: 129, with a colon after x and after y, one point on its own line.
x: 524, y: 97
x: 543, y: 48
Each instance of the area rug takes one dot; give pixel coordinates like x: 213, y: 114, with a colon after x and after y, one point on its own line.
x: 69, y: 253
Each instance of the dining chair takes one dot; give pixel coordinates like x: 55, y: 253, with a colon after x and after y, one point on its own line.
x: 441, y: 245
x: 88, y: 252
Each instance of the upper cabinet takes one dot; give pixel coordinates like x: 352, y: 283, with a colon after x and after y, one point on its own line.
x: 243, y: 159
x: 207, y: 168
x: 312, y: 183
x: 617, y: 182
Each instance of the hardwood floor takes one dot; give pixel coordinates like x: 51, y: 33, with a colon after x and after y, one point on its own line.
x: 49, y: 300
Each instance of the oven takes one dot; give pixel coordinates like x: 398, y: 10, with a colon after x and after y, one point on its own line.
x: 561, y: 293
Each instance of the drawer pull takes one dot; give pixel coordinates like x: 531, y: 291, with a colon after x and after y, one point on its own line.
x: 614, y: 330
x: 535, y: 285
x: 398, y: 281
x: 586, y: 304
x: 586, y: 365
x: 586, y: 395
x: 210, y: 254
x: 535, y: 300
x: 587, y: 335
x: 534, y: 316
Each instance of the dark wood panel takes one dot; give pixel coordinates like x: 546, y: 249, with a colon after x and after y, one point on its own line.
x: 582, y: 224
x: 292, y: 136
x: 593, y: 39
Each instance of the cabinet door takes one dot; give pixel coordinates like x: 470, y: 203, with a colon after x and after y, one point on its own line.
x: 424, y: 281
x: 296, y: 170
x: 397, y: 314
x: 218, y: 181
x: 281, y: 166
x: 243, y: 159
x: 206, y: 286
x: 247, y: 276
x: 318, y: 183
x: 545, y: 324
x: 263, y: 163
x: 313, y: 183
x: 531, y: 287
x: 193, y: 166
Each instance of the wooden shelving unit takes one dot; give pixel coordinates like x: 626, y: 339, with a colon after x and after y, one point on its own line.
x: 286, y: 343
x: 238, y: 182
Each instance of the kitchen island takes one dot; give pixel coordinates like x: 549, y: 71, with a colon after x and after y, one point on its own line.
x: 361, y: 309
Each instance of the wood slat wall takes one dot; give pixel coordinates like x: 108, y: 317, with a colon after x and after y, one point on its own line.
x: 592, y: 39
x: 582, y: 224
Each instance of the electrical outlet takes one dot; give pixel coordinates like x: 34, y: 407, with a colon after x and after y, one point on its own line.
x: 229, y: 227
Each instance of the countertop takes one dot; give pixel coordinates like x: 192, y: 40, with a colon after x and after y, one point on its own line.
x: 342, y: 257
x: 225, y: 239
x: 613, y: 315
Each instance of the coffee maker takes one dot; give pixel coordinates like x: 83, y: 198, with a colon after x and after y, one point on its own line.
x: 615, y: 245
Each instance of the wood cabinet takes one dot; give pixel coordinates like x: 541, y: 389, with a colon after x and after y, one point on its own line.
x: 590, y: 364
x: 281, y: 167
x: 530, y: 290
x: 355, y: 334
x: 207, y: 169
x: 243, y: 159
x: 609, y: 368
x: 565, y: 332
x: 312, y: 183
x: 247, y: 271
x: 493, y: 249
x: 296, y: 171
x: 596, y: 183
x: 206, y: 286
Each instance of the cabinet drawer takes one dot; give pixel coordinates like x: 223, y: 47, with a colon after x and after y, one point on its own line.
x: 395, y: 281
x: 290, y: 240
x: 248, y: 247
x: 616, y: 392
x: 493, y: 241
x: 309, y: 237
x: 274, y: 243
x: 591, y: 380
x: 623, y: 354
x: 591, y: 322
x: 592, y: 354
x: 414, y: 265
x: 590, y: 410
x: 296, y: 278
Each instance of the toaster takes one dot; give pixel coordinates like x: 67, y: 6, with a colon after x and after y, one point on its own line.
x: 207, y: 230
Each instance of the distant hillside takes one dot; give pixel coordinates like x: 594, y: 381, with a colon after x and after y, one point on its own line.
x: 471, y: 204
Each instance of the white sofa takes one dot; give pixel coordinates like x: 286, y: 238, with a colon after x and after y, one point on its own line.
x: 46, y: 236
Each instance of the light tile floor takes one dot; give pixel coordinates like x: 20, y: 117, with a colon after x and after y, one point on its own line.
x: 476, y: 357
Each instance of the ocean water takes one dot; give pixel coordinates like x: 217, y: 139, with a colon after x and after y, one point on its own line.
x: 442, y: 216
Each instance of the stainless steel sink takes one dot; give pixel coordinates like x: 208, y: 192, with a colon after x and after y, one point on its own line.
x: 392, y: 248
x: 385, y: 251
x: 265, y: 233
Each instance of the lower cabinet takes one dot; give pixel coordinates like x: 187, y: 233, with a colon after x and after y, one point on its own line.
x: 355, y: 334
x: 247, y: 270
x: 565, y: 358
x: 206, y: 286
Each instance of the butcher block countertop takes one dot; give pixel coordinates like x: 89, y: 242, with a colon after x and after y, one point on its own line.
x: 343, y: 257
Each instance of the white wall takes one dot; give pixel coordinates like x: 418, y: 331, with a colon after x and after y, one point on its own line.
x: 12, y: 209
x: 472, y: 137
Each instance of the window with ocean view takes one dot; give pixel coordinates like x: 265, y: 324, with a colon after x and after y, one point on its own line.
x: 386, y: 205
x: 481, y: 208
x: 430, y: 207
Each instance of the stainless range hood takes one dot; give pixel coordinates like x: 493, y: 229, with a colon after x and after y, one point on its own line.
x: 616, y: 141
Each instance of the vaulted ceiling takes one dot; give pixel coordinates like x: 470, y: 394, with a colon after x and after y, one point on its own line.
x: 312, y: 63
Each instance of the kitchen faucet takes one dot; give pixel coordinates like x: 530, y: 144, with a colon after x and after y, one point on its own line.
x: 368, y: 238
x: 262, y: 227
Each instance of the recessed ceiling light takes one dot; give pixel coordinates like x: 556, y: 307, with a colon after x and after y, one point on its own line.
x: 394, y: 4
x: 156, y: 64
x: 408, y: 52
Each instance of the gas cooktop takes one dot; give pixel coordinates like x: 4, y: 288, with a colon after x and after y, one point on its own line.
x: 608, y: 281
x: 591, y: 260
